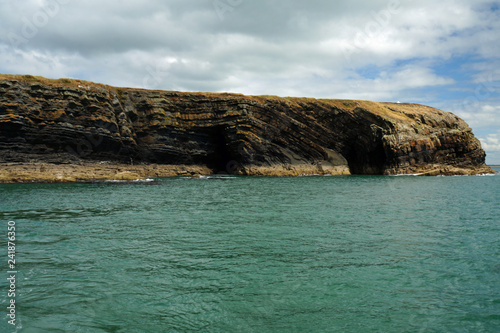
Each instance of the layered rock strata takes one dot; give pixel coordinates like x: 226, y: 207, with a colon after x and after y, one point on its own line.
x: 75, y: 122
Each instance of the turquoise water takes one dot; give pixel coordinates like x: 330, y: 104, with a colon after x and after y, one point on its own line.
x: 240, y: 254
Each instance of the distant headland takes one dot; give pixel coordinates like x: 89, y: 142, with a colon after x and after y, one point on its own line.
x: 71, y: 130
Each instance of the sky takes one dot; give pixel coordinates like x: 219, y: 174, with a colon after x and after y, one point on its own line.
x: 443, y: 54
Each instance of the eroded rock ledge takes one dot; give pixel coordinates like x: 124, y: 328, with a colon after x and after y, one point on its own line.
x: 74, y: 122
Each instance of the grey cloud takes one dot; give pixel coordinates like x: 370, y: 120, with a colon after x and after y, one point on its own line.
x: 302, y: 44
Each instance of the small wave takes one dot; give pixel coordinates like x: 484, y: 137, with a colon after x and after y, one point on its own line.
x: 146, y: 180
x: 136, y: 181
x: 218, y: 177
x: 205, y: 177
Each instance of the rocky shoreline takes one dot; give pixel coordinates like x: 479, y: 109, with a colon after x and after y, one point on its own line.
x: 61, y: 173
x: 67, y: 173
x: 61, y: 130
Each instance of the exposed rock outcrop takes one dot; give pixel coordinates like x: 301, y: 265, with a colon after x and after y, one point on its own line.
x: 70, y: 121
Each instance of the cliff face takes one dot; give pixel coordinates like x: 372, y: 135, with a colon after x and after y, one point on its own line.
x: 63, y: 121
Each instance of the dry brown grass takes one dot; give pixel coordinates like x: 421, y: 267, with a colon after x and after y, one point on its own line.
x: 62, y: 82
x: 398, y: 112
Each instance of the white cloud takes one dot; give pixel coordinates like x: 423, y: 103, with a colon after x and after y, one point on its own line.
x: 259, y: 38
x: 417, y: 51
x: 479, y: 115
x: 491, y: 143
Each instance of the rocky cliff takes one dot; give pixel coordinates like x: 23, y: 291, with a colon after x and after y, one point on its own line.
x: 69, y: 121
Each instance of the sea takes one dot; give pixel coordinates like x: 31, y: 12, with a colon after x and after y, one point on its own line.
x: 252, y: 254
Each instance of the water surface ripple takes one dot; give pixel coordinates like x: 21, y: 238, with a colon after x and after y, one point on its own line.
x: 311, y: 254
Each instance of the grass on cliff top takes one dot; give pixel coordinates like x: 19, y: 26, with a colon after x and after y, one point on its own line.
x: 299, y: 101
x: 76, y: 83
x: 63, y: 82
x: 396, y: 111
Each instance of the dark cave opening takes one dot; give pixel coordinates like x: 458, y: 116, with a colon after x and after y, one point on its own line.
x: 221, y: 160
x: 365, y: 159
